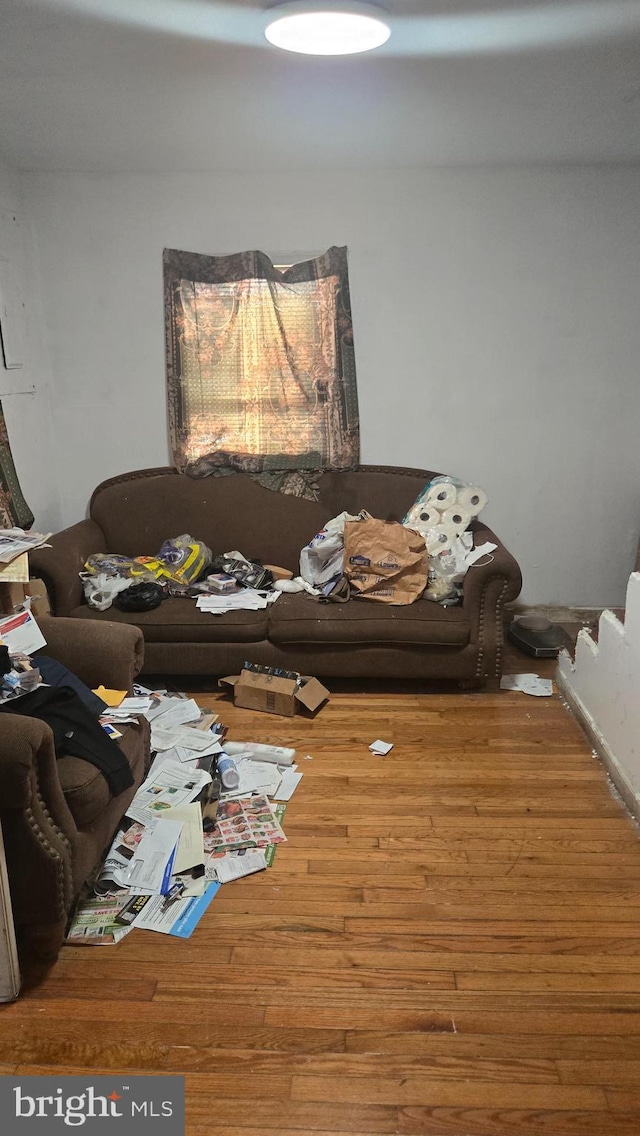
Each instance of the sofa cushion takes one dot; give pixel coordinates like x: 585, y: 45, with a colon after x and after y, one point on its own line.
x: 299, y: 618
x: 180, y: 621
x: 86, y: 790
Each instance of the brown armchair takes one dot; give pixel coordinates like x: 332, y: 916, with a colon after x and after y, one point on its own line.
x: 58, y: 814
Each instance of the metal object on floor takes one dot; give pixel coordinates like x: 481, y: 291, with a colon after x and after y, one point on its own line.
x: 539, y: 637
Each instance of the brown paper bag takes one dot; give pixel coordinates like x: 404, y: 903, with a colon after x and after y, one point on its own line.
x: 385, y: 561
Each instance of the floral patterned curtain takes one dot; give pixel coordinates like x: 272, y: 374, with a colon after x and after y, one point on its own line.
x: 260, y: 363
x: 14, y: 511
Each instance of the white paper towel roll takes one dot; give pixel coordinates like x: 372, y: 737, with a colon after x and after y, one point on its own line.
x: 456, y: 518
x: 441, y: 495
x: 473, y: 499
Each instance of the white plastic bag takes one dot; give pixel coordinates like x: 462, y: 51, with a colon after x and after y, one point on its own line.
x: 323, y: 557
x: 101, y: 590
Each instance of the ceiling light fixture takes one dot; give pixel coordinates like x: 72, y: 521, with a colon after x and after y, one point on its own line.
x: 326, y: 28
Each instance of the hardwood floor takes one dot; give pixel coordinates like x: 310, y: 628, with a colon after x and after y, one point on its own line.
x: 448, y: 944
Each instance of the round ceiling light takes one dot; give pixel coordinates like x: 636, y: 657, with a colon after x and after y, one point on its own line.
x: 327, y: 28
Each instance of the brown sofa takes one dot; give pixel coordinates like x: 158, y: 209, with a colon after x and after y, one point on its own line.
x: 134, y: 513
x: 58, y: 815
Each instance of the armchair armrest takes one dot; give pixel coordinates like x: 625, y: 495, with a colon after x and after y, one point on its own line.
x: 60, y: 565
x: 39, y: 831
x: 96, y: 651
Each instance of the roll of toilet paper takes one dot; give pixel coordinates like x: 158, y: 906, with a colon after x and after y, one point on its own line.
x: 473, y: 499
x: 441, y: 495
x: 439, y: 539
x: 456, y: 518
x: 422, y: 517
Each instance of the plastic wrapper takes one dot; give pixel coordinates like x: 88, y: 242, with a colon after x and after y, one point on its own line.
x: 110, y: 564
x: 323, y: 557
x: 185, y: 558
x: 245, y: 572
x: 447, y: 570
x: 442, y: 514
x: 446, y: 501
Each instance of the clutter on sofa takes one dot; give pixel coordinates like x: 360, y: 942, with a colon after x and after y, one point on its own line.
x: 289, y: 619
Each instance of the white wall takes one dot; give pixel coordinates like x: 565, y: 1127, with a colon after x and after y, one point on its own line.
x: 601, y: 686
x: 25, y: 392
x: 496, y: 328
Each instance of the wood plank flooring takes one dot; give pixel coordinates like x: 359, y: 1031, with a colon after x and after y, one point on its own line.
x: 448, y: 944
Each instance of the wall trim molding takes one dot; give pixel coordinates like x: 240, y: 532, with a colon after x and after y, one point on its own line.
x: 599, y: 743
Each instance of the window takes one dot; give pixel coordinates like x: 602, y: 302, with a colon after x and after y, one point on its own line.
x: 260, y: 362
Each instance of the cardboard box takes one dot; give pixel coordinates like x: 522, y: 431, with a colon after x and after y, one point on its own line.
x: 39, y: 598
x: 11, y: 596
x: 275, y: 695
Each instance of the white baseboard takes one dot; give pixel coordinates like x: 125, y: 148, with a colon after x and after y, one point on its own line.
x: 599, y: 744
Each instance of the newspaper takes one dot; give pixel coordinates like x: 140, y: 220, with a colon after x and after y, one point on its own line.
x: 13, y: 542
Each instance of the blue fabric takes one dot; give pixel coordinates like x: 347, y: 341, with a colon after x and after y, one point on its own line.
x: 54, y: 674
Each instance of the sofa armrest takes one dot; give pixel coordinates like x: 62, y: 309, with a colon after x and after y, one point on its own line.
x: 499, y: 563
x: 60, y: 565
x: 97, y: 652
x: 486, y: 589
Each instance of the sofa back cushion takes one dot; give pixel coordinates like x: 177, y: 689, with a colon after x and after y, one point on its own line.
x: 140, y: 510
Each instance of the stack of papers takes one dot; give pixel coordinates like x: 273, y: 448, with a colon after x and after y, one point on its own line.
x: 162, y: 871
x: 247, y: 598
x: 14, y: 542
x: 170, y: 786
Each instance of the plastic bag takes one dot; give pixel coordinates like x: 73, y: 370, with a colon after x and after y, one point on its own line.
x: 180, y: 561
x: 140, y: 597
x: 110, y: 564
x: 447, y: 505
x: 186, y: 558
x: 245, y: 572
x: 323, y: 557
x: 101, y: 589
x: 107, y: 574
x: 447, y: 569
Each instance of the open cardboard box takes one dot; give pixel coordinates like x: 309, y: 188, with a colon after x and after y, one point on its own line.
x: 274, y: 694
x: 13, y: 594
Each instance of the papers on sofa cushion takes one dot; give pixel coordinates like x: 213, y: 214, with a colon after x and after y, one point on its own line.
x: 247, y: 598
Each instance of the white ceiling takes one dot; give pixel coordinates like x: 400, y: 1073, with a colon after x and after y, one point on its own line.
x: 170, y: 85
